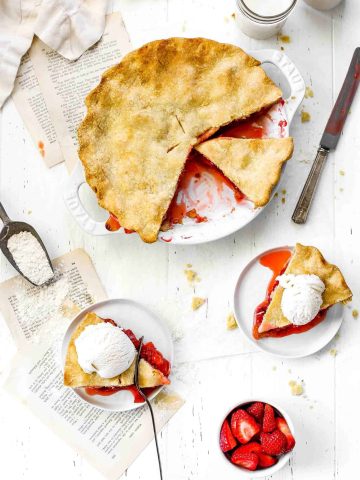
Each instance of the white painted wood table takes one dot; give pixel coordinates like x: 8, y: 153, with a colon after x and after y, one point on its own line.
x: 326, y: 416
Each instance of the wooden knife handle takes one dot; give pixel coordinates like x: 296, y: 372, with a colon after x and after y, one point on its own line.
x: 303, y: 206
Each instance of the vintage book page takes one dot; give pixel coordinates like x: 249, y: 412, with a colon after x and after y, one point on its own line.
x: 38, y: 318
x: 50, y: 90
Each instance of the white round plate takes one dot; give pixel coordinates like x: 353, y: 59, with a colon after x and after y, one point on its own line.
x: 224, y: 214
x: 142, y: 322
x: 250, y: 291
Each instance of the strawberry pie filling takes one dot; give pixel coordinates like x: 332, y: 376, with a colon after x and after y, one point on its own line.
x: 277, y: 262
x: 198, y: 168
x: 149, y: 353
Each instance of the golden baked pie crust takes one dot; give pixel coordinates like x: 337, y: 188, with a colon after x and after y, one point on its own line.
x: 149, y: 110
x: 74, y: 375
x: 307, y: 260
x: 253, y: 165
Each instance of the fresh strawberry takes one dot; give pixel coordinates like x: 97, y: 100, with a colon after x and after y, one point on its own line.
x: 266, y: 461
x: 252, y: 447
x: 273, y: 443
x: 245, y: 460
x: 284, y: 428
x: 257, y: 411
x: 227, y: 440
x: 269, y: 423
x: 243, y: 426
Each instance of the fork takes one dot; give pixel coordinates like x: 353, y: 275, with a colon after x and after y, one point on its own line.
x: 136, y: 381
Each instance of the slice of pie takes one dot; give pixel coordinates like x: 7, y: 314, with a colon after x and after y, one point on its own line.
x: 151, y: 109
x: 307, y: 260
x: 74, y: 375
x: 253, y: 165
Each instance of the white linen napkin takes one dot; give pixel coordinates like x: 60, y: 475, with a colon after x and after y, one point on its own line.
x: 68, y: 26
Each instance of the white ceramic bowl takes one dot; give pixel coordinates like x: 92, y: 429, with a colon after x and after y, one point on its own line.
x: 141, y: 321
x: 243, y: 472
x: 223, y: 218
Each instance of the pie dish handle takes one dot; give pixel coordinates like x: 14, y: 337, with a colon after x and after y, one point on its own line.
x: 292, y: 75
x: 74, y: 204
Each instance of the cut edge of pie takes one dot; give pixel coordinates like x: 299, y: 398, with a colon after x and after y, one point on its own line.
x: 75, y: 377
x: 307, y: 260
x: 253, y: 165
x: 151, y: 109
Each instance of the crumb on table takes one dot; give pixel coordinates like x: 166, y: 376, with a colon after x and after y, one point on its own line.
x: 305, y: 116
x: 231, y: 322
x: 191, y: 276
x: 197, y: 302
x: 296, y: 388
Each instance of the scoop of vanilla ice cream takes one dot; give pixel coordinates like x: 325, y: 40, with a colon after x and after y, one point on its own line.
x: 302, y: 297
x: 104, y: 349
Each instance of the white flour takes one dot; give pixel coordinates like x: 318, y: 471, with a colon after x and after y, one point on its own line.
x: 30, y: 257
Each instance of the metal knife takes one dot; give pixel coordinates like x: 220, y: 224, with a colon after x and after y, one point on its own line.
x: 330, y: 137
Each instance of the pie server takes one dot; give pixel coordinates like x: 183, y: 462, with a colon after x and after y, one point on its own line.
x: 11, y: 228
x: 330, y: 137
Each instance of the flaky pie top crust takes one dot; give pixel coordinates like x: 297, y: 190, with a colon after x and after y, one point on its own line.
x: 149, y: 110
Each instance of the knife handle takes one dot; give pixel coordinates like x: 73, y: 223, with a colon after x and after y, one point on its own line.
x: 303, y: 206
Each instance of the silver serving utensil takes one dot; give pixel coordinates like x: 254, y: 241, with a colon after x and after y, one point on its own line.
x: 330, y: 138
x: 11, y: 228
x: 147, y: 402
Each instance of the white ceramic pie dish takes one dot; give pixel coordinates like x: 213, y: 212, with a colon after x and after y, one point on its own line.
x: 224, y: 217
x: 250, y: 291
x: 139, y: 319
x: 234, y: 471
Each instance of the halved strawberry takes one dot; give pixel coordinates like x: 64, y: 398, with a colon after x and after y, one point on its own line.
x: 284, y: 428
x: 269, y: 423
x: 252, y: 447
x: 245, y: 460
x: 266, y: 461
x: 256, y: 410
x: 273, y: 443
x: 227, y: 440
x: 243, y: 426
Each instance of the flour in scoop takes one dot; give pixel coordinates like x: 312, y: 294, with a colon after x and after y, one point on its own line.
x: 30, y: 257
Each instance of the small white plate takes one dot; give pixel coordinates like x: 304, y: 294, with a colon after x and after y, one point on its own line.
x: 250, y: 291
x: 142, y: 322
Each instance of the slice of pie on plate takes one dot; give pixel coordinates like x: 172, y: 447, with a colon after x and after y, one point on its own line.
x: 307, y: 260
x: 253, y: 165
x: 75, y: 376
x: 151, y: 109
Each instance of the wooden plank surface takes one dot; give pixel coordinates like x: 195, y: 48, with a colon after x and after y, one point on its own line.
x: 216, y: 366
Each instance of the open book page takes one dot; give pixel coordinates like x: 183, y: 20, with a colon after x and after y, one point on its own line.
x: 30, y: 103
x: 57, y: 103
x: 38, y: 318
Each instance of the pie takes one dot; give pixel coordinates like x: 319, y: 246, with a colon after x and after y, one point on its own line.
x: 306, y: 260
x: 74, y: 375
x: 150, y: 110
x: 253, y: 165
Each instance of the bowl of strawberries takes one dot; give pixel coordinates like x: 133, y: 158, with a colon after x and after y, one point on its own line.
x: 257, y: 437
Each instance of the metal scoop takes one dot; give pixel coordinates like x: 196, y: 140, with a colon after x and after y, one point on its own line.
x: 136, y: 380
x: 11, y: 228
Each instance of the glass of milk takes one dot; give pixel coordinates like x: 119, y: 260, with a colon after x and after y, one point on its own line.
x: 263, y: 18
x: 323, y: 4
